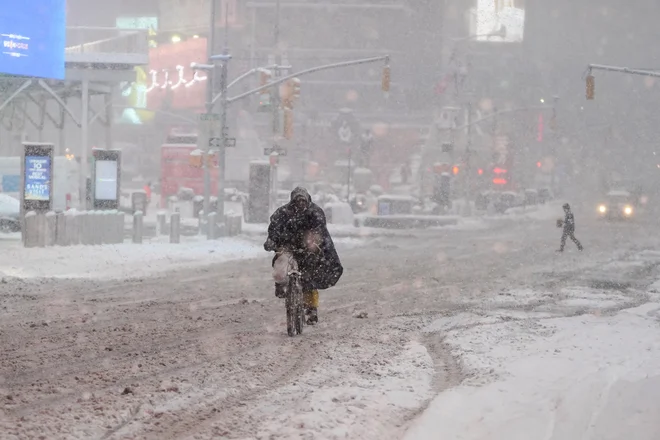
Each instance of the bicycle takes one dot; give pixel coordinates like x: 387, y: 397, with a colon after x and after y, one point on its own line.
x: 294, y: 303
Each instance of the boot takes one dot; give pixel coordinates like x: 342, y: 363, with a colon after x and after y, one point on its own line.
x: 312, y: 315
x: 311, y: 300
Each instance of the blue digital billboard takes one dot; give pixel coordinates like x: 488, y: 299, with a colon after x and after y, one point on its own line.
x: 32, y: 38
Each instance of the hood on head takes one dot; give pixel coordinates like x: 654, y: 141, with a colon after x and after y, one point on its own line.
x: 300, y: 192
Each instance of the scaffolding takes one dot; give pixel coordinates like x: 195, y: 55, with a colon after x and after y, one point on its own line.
x: 97, y: 61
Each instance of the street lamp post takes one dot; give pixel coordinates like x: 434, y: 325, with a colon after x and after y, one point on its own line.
x: 459, y: 77
x: 205, y: 134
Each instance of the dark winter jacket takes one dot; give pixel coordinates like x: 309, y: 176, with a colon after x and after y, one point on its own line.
x: 569, y: 222
x: 288, y: 229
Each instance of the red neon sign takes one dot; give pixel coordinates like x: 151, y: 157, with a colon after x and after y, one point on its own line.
x: 500, y: 181
x: 499, y: 171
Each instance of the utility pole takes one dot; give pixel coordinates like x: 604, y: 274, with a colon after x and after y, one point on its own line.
x: 555, y: 140
x: 276, y: 103
x: 224, y: 138
x: 206, y: 128
x: 468, y: 165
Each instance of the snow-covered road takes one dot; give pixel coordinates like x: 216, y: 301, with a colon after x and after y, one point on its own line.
x: 473, y: 334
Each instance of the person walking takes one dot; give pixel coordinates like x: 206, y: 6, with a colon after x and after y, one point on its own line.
x: 568, y: 225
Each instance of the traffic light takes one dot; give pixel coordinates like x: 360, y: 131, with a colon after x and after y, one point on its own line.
x: 290, y: 92
x: 264, y: 103
x: 455, y: 170
x: 265, y: 77
x: 386, y: 79
x: 295, y: 89
x: 591, y: 87
x: 288, y: 123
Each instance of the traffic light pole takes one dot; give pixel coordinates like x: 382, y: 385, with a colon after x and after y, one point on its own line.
x: 276, y: 103
x: 623, y: 70
x: 284, y: 79
x: 224, y: 138
x: 210, y: 46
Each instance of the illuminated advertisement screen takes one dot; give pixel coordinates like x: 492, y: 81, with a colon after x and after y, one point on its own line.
x: 32, y: 38
x: 106, y: 180
x: 498, y: 21
x: 37, y: 178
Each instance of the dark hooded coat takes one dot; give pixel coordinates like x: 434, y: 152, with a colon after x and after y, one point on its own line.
x: 321, y: 269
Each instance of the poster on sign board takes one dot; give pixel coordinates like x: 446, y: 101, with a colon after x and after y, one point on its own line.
x: 106, y: 180
x: 37, y: 178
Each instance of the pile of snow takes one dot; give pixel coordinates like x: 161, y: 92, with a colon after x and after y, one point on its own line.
x: 339, y: 213
x: 593, y: 376
x: 342, y: 402
x: 119, y: 261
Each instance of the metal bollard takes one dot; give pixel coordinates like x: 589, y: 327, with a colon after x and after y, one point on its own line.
x: 50, y: 229
x: 161, y: 223
x: 211, y: 227
x: 138, y: 222
x: 69, y: 227
x: 119, y: 227
x: 229, y: 227
x: 41, y: 230
x: 237, y: 224
x: 109, y: 226
x: 31, y: 236
x: 201, y: 223
x: 90, y: 219
x: 100, y: 228
x: 175, y: 228
x: 60, y: 229
x: 82, y: 228
x: 75, y: 230
x: 97, y: 227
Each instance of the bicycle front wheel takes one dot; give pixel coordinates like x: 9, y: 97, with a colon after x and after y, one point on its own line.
x: 295, y: 316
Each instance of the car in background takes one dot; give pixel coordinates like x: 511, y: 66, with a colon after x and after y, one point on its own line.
x: 10, y: 214
x: 619, y: 205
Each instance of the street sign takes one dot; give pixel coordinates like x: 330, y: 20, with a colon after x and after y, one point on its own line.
x: 270, y: 150
x: 206, y: 117
x: 215, y: 142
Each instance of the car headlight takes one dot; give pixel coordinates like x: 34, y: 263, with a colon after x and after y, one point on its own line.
x: 602, y: 209
x: 628, y: 210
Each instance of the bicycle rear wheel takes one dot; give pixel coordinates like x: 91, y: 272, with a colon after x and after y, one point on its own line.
x: 295, y: 316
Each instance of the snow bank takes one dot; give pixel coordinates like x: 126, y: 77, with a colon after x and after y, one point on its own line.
x: 592, y: 377
x: 120, y: 261
x: 343, y: 403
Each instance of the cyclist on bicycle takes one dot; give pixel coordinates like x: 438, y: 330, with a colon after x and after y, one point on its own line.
x: 298, y: 229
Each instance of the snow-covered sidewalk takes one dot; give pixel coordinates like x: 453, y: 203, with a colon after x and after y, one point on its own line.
x: 129, y: 260
x: 119, y: 261
x: 584, y: 366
